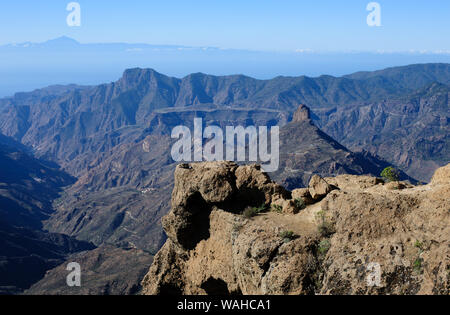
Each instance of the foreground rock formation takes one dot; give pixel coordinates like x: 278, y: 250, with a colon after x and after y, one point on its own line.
x: 331, y: 238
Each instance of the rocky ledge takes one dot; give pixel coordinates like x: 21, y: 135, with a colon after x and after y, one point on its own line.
x: 232, y: 230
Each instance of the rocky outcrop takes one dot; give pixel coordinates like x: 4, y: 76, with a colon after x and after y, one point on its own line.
x: 360, y: 238
x: 304, y: 194
x: 441, y: 176
x: 302, y: 114
x: 115, y: 138
x: 201, y: 187
x: 319, y: 188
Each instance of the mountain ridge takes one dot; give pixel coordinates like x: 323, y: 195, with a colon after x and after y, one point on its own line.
x: 115, y: 139
x: 48, y: 123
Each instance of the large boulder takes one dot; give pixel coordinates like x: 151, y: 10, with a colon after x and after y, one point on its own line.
x: 319, y: 188
x: 201, y: 186
x: 304, y: 194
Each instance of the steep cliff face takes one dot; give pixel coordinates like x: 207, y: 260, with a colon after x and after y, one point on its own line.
x: 342, y: 235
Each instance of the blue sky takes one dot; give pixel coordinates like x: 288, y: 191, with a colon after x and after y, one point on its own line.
x: 245, y: 24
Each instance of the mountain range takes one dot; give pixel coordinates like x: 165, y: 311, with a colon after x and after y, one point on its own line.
x: 29, y: 65
x: 105, y: 150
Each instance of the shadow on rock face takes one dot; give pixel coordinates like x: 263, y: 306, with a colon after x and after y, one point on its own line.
x: 217, y: 287
x: 197, y: 228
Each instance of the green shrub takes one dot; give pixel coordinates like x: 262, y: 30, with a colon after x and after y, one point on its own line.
x: 419, y: 245
x: 417, y: 265
x: 251, y: 212
x: 325, y: 228
x: 262, y: 208
x: 390, y: 174
x: 300, y: 203
x: 287, y: 236
x: 324, y: 247
x: 277, y: 208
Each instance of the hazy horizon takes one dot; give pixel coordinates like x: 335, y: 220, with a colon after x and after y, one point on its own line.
x: 405, y: 25
x: 28, y: 66
x: 261, y: 39
x: 67, y: 38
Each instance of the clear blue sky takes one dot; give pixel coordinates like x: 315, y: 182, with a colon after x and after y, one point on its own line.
x: 244, y: 24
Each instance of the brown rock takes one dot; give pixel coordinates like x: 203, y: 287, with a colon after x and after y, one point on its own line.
x: 199, y: 187
x: 287, y: 206
x: 319, y: 188
x: 255, y: 186
x: 442, y: 176
x: 196, y: 189
x: 404, y: 233
x: 302, y: 114
x: 395, y: 186
x: 353, y: 182
x: 304, y: 194
x: 166, y: 275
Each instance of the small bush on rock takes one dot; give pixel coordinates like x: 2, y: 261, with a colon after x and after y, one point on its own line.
x: 325, y: 228
x: 390, y: 174
x: 324, y: 247
x: 277, y: 208
x: 251, y: 212
x: 287, y: 236
x: 300, y: 203
x: 417, y: 266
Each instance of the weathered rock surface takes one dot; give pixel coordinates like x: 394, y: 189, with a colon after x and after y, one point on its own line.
x: 441, y: 176
x: 319, y: 188
x: 304, y: 194
x: 302, y: 114
x: 200, y: 187
x: 213, y: 249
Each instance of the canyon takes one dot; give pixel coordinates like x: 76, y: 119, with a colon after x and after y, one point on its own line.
x: 94, y: 170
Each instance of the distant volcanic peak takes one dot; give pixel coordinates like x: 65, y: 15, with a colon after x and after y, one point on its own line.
x: 62, y: 41
x: 302, y: 114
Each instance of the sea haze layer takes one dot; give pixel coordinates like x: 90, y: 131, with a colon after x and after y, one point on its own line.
x: 27, y: 66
